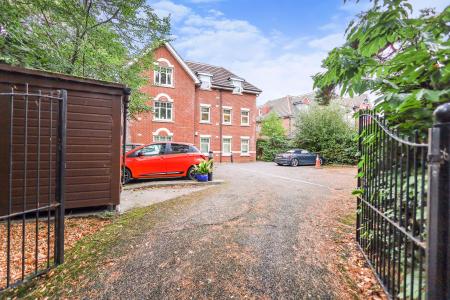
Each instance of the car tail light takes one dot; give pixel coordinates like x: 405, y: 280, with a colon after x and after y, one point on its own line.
x: 202, y: 156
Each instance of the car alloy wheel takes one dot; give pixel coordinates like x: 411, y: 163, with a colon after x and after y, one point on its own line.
x: 191, y: 173
x: 294, y: 162
x: 126, y: 176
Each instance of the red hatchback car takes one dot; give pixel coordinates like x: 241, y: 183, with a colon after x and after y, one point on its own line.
x: 162, y: 160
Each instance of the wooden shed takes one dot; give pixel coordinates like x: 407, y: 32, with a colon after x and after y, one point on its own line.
x: 93, y: 140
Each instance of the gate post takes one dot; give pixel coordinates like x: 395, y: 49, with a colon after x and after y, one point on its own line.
x: 61, y: 181
x: 358, y: 200
x: 438, y: 285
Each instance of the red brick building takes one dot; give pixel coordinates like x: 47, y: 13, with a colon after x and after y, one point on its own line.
x: 201, y: 104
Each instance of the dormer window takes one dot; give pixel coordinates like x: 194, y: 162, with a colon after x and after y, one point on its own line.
x: 237, y: 85
x: 205, y: 79
x: 163, y: 73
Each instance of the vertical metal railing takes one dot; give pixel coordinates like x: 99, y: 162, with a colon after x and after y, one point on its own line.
x: 32, y: 140
x: 403, y: 215
x: 390, y: 223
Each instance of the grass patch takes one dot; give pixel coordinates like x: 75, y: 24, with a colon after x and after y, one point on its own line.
x: 84, y: 259
x: 349, y: 219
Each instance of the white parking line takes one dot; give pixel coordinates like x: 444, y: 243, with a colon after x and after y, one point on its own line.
x: 287, y: 178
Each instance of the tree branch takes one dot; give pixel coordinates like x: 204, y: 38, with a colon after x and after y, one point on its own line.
x: 107, y: 20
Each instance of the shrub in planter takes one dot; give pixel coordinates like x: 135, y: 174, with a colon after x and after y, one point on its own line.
x: 202, y: 169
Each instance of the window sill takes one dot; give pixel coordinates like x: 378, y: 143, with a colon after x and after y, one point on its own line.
x: 245, y: 125
x: 164, y: 121
x: 226, y: 154
x: 227, y: 124
x: 205, y: 122
x: 164, y: 86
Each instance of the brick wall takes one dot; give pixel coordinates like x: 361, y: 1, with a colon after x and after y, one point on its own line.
x: 186, y: 125
x: 183, y: 95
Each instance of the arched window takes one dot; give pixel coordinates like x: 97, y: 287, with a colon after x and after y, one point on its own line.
x: 162, y: 135
x: 163, y: 108
x: 163, y: 74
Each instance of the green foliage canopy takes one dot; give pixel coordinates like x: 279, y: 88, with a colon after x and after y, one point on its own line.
x: 89, y: 38
x: 272, y: 126
x: 401, y: 58
x: 325, y: 129
x: 274, y: 137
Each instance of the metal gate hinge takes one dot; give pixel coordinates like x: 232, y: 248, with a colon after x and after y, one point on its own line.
x: 440, y: 158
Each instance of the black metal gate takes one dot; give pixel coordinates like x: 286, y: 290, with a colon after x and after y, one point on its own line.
x: 32, y: 197
x: 403, y: 212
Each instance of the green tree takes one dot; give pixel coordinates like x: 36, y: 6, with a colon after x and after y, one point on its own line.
x: 400, y: 58
x: 325, y: 129
x: 272, y: 126
x: 90, y: 38
x: 273, y: 139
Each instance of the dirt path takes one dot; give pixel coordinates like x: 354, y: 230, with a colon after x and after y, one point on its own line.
x: 264, y: 234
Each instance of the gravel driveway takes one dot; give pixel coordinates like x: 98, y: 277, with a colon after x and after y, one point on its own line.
x: 260, y: 235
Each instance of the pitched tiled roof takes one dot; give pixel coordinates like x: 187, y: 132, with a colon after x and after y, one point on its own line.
x: 354, y: 102
x: 221, y: 76
x: 289, y: 106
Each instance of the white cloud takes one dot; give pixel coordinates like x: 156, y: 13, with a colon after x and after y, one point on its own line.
x: 176, y: 11
x: 204, y: 1
x: 439, y: 5
x: 274, y: 62
x: 353, y: 8
x: 328, y: 42
x: 215, y: 12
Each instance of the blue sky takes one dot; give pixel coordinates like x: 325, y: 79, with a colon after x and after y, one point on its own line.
x: 276, y: 45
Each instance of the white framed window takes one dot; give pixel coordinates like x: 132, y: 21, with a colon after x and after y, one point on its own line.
x: 162, y: 135
x: 205, y: 113
x: 163, y: 108
x: 163, y: 73
x: 162, y: 138
x: 245, y: 116
x: 237, y: 84
x: 205, y: 79
x: 205, y: 144
x: 226, y: 115
x: 245, y: 146
x: 226, y: 145
x: 163, y: 111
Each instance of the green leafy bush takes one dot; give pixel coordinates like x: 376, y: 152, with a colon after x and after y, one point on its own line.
x: 325, y: 129
x: 271, y: 147
x: 400, y: 57
x: 273, y: 139
x: 204, y: 167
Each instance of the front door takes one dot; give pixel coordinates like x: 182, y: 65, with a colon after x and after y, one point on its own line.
x: 150, y: 161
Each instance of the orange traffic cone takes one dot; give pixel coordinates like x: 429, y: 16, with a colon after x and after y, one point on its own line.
x: 317, y: 162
